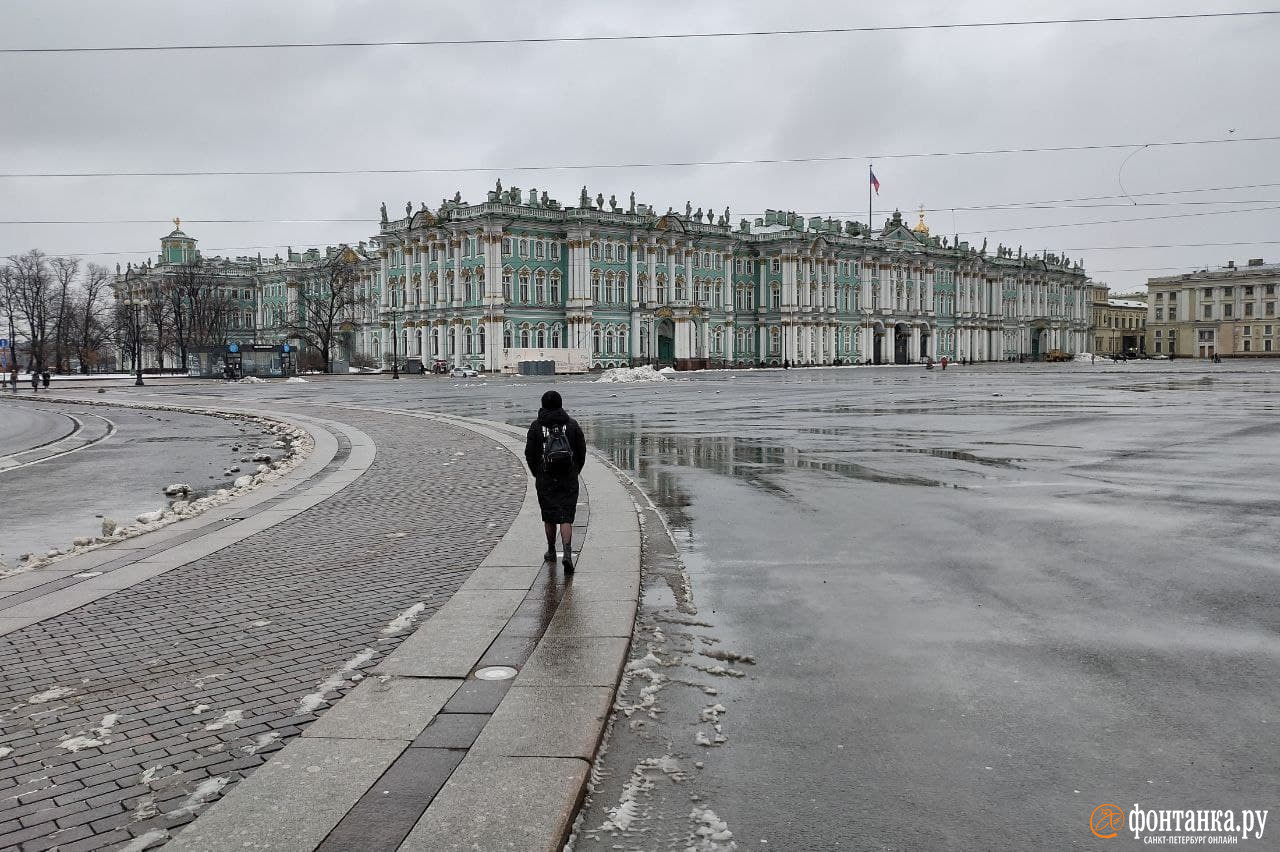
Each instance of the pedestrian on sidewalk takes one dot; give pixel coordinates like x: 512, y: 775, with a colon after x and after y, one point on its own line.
x: 35, y: 379
x: 556, y: 450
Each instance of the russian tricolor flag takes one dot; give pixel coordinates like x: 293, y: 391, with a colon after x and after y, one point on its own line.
x: 875, y: 184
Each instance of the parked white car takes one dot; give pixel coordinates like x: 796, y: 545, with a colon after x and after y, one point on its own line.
x: 463, y: 373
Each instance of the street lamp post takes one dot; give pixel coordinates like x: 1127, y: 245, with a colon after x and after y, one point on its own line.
x: 395, y: 341
x: 135, y: 309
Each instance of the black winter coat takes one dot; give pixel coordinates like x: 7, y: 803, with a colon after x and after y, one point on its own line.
x: 557, y: 492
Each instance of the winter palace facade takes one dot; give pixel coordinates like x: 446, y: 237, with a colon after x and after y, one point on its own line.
x: 518, y: 277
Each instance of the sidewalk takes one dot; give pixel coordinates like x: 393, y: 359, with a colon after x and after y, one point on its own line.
x: 207, y: 666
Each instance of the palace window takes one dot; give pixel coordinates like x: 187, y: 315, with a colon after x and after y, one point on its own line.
x: 524, y: 247
x: 555, y: 337
x: 1269, y: 308
x: 662, y: 289
x: 466, y: 340
x: 538, y: 250
x: 595, y: 287
x: 540, y: 337
x: 662, y: 254
x: 622, y: 253
x: 506, y: 246
x: 524, y: 286
x: 680, y: 289
x: 595, y: 251
x: 1208, y: 311
x: 555, y: 250
x: 775, y: 265
x: 524, y: 337
x: 506, y: 338
x: 480, y: 340
x: 608, y: 251
x: 1227, y: 310
x: 540, y: 287
x: 775, y: 297
x: 506, y: 286
x: 555, y: 288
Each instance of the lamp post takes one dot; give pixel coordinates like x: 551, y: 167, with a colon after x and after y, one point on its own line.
x: 135, y: 309
x: 395, y: 342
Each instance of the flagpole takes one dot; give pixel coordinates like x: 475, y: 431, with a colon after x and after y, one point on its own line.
x: 870, y: 172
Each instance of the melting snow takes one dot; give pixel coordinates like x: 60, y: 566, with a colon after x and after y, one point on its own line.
x: 404, y: 619
x: 310, y: 703
x: 630, y: 375
x: 261, y: 741
x: 5, y: 751
x: 231, y: 717
x: 52, y: 694
x: 710, y: 833
x: 205, y: 790
x: 78, y: 743
x: 150, y: 840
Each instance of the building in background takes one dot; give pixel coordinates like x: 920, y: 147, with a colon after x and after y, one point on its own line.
x: 517, y: 277
x: 1119, y: 323
x: 1230, y: 311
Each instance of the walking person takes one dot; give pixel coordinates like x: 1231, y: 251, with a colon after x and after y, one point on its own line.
x: 556, y: 450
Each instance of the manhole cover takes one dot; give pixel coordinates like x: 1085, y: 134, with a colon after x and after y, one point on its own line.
x: 496, y: 673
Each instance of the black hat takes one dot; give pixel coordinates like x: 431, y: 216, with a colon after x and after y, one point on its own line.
x: 551, y: 400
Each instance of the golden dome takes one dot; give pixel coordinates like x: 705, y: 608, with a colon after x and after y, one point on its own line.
x: 921, y: 228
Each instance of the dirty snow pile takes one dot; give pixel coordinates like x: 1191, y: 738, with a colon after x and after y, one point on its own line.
x: 1090, y: 357
x: 630, y: 375
x: 296, y: 379
x: 252, y: 380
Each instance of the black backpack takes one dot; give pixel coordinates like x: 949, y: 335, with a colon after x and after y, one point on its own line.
x: 557, y: 455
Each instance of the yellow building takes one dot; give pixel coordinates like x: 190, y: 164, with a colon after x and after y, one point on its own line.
x: 1119, y: 323
x: 1230, y: 311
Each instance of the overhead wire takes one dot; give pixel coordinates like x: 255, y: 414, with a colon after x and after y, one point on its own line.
x: 637, y: 165
x: 624, y: 37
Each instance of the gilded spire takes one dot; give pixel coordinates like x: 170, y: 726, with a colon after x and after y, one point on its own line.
x: 921, y: 227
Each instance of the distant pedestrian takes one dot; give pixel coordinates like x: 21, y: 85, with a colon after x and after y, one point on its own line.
x: 556, y: 450
x: 44, y: 379
x: 944, y: 362
x: 35, y: 379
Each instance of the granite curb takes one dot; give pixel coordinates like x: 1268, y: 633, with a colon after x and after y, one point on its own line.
x: 425, y: 755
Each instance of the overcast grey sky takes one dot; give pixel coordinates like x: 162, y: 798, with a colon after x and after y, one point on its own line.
x: 681, y: 100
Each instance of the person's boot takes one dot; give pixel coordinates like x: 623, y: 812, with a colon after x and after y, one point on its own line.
x: 567, y: 560
x: 550, y: 555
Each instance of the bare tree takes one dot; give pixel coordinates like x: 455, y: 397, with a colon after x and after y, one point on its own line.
x: 326, y: 302
x: 93, y: 329
x: 32, y: 286
x: 65, y: 271
x: 8, y: 292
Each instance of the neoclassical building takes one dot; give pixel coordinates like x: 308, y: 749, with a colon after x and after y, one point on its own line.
x: 518, y: 277
x: 1229, y: 311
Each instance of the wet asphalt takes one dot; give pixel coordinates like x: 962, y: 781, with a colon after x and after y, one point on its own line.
x: 981, y: 602
x: 49, y: 504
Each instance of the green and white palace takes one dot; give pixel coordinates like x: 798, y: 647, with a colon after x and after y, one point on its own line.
x: 519, y: 277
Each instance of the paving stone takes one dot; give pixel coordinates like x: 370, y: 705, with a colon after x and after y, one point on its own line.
x: 396, y: 708
x: 478, y: 696
x: 577, y: 661
x: 385, y: 815
x: 452, y: 730
x: 326, y: 582
x: 593, y: 618
x: 539, y: 796
x: 295, y: 800
x: 547, y: 721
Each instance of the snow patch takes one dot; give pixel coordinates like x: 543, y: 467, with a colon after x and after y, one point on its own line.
x: 5, y: 751
x: 310, y: 703
x: 404, y: 619
x: 710, y: 833
x: 79, y: 743
x: 231, y: 717
x: 295, y: 380
x: 260, y: 742
x: 198, y: 709
x: 205, y: 790
x: 631, y: 375
x: 51, y: 694
x: 108, y: 722
x: 142, y: 842
x: 146, y: 809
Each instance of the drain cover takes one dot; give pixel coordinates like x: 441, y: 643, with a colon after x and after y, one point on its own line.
x: 496, y: 673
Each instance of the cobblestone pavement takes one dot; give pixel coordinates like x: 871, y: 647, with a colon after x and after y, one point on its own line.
x: 128, y: 715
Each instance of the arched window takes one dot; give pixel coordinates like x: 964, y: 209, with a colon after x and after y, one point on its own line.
x: 524, y: 337
x: 538, y: 250
x: 524, y: 286
x: 555, y: 288
x: 466, y: 340
x: 508, y: 287
x: 680, y: 291
x: 506, y: 337
x: 662, y: 254
x: 540, y: 287
x: 775, y: 297
x: 448, y: 277
x: 595, y: 251
x: 595, y: 287
x: 540, y: 337
x: 555, y: 336
x: 775, y: 341
x: 480, y: 340
x: 608, y: 287
x: 608, y: 251
x: 524, y: 247
x: 608, y: 341
x: 623, y: 296
x: 595, y: 340
x: 662, y: 289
